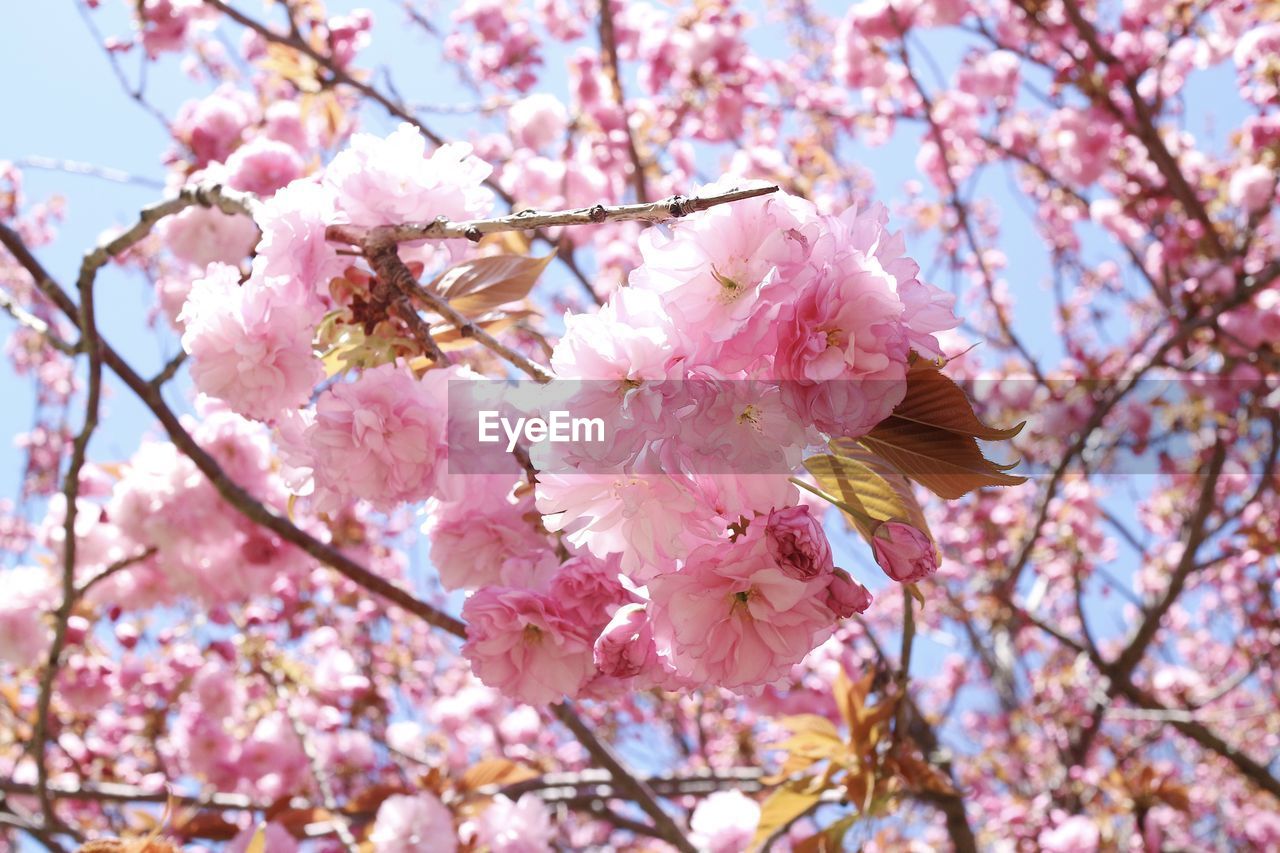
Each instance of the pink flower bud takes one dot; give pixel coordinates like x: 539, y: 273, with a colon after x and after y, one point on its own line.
x: 905, y: 554
x: 796, y: 541
x: 625, y: 647
x: 845, y: 596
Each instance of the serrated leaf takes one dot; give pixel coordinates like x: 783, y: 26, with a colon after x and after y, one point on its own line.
x: 931, y: 437
x: 485, y: 283
x: 784, y: 805
x: 933, y: 398
x: 945, y: 463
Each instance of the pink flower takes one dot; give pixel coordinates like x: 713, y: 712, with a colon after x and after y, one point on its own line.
x: 625, y: 647
x: 797, y: 544
x: 262, y: 166
x: 384, y: 181
x: 486, y: 537
x: 844, y: 596
x: 1076, y: 834
x: 724, y: 822
x: 645, y: 518
x: 1252, y: 187
x: 30, y: 591
x: 537, y: 121
x: 991, y: 75
x: 523, y: 826
x: 413, y: 823
x: 202, y: 236
x: 588, y: 588
x: 524, y: 644
x: 723, y: 274
x: 380, y: 438
x: 906, y: 554
x: 293, y: 244
x: 212, y: 126
x: 629, y: 338
x: 249, y: 345
x: 842, y: 341
x: 732, y: 618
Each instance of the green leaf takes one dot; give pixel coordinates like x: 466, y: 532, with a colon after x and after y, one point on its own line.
x: 869, y: 491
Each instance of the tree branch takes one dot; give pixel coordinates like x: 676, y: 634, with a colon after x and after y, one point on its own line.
x: 528, y: 220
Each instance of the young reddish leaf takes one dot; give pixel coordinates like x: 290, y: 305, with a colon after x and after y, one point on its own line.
x: 931, y: 437
x: 934, y: 399
x: 946, y: 463
x: 485, y: 283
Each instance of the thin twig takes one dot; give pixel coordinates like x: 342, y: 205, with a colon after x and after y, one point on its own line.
x: 405, y: 283
x: 529, y: 220
x: 34, y: 323
x: 636, y: 788
x: 609, y: 49
x: 77, y: 167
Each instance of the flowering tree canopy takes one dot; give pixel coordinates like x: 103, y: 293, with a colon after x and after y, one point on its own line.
x: 701, y: 426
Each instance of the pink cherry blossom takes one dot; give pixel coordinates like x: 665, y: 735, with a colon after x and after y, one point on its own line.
x: 202, y: 236
x: 625, y: 647
x: 1253, y: 187
x: 844, y: 596
x: 797, y: 544
x: 409, y: 823
x: 486, y: 536
x: 524, y: 644
x: 537, y: 121
x: 380, y: 438
x: 520, y: 826
x: 724, y: 275
x: 249, y: 344
x: 262, y: 166
x: 381, y: 181
x: 725, y: 822
x: 30, y: 593
x: 730, y: 615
